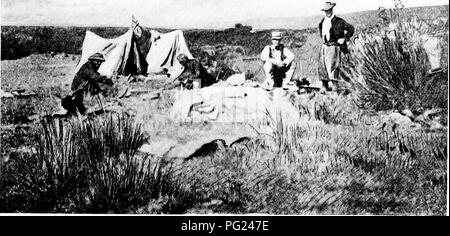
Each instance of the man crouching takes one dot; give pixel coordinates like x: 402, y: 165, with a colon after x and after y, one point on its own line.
x: 193, y: 73
x: 279, y: 65
x: 86, y: 81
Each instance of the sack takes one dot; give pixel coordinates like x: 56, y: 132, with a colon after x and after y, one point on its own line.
x: 236, y: 79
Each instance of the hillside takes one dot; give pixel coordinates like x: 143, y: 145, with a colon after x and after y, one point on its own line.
x: 359, y: 19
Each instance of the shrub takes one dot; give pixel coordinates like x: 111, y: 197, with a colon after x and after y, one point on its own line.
x: 50, y: 178
x: 88, y: 166
x: 391, y: 72
x: 16, y: 110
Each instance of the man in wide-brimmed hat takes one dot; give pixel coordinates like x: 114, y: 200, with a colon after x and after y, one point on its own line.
x: 86, y: 80
x: 335, y: 32
x: 279, y: 65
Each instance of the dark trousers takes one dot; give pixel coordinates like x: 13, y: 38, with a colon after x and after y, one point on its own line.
x: 73, y: 103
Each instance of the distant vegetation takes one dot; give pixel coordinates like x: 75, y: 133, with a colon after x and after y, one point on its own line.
x: 361, y: 19
x: 21, y: 41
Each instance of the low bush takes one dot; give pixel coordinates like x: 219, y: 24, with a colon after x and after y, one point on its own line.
x: 391, y: 71
x: 89, y: 166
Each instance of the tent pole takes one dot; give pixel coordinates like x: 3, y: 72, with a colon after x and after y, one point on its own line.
x: 100, y: 102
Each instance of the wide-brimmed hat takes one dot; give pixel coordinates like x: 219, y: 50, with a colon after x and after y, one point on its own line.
x: 328, y: 6
x: 277, y: 35
x: 182, y: 57
x: 97, y: 57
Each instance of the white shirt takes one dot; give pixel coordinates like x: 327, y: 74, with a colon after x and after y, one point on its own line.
x: 326, y: 26
x: 276, y: 54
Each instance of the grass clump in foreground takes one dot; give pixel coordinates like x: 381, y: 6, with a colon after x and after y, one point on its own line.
x: 324, y: 169
x: 391, y: 71
x: 90, y: 166
x: 345, y: 166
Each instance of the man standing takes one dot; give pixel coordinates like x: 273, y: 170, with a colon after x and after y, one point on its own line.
x: 335, y: 32
x: 85, y: 81
x: 279, y: 65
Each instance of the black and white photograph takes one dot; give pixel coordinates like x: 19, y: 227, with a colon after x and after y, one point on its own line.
x: 224, y: 108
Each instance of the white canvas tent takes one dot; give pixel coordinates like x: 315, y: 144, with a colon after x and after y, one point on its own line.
x: 122, y: 54
x: 164, y: 50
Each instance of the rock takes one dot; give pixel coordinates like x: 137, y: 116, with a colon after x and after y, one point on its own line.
x: 436, y: 123
x: 408, y: 113
x: 399, y: 118
x: 123, y: 92
x: 429, y: 114
x: 240, y: 142
x: 398, y: 121
x: 4, y: 94
x: 208, y: 149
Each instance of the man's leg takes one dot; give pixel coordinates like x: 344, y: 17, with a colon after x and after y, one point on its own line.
x: 323, y: 73
x: 332, y: 63
x: 77, y: 100
x: 289, y: 74
x: 268, y: 82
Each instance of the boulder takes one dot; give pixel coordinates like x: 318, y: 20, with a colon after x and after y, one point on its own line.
x: 399, y: 121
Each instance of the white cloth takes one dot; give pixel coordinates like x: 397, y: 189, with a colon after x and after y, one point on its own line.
x: 326, y: 26
x: 236, y: 79
x: 228, y: 104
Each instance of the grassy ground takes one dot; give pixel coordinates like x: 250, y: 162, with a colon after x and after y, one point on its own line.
x: 337, y: 160
x: 341, y: 163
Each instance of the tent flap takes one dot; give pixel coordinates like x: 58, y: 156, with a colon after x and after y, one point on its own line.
x: 164, y: 51
x: 122, y: 55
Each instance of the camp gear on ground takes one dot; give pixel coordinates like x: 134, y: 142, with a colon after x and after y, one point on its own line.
x: 193, y: 70
x: 328, y: 6
x: 233, y: 104
x: 236, y: 79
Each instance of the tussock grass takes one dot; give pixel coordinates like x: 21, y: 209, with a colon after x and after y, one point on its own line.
x: 324, y: 169
x: 390, y: 71
x: 88, y: 166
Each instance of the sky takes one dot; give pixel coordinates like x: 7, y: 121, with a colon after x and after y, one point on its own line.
x: 175, y: 13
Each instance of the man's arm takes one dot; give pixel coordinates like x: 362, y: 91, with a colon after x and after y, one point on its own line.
x: 349, y: 30
x: 289, y: 56
x: 92, y: 74
x: 265, y: 56
x: 320, y: 28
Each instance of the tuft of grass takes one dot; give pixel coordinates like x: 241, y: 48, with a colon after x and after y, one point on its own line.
x: 390, y: 71
x: 16, y: 110
x: 49, y: 178
x: 88, y: 166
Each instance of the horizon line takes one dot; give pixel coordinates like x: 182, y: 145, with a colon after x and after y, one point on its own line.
x: 208, y: 27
